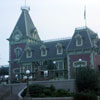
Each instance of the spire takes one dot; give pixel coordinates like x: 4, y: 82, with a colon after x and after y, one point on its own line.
x: 25, y: 26
x: 25, y: 7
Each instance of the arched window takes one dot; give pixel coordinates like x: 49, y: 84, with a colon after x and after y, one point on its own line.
x: 79, y: 40
x: 18, y: 52
x: 78, y: 64
x: 59, y: 49
x: 43, y: 50
x: 28, y: 53
x: 26, y: 67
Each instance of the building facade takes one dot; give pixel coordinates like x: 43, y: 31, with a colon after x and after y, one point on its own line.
x: 48, y: 60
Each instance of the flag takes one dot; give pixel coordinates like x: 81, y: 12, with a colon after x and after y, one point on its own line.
x: 85, y: 13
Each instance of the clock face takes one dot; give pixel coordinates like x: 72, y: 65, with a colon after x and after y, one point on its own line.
x: 17, y: 37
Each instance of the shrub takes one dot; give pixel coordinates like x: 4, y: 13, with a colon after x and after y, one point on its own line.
x: 85, y: 96
x: 86, y: 80
x: 52, y: 88
x: 42, y: 91
x: 62, y: 93
x: 36, y: 90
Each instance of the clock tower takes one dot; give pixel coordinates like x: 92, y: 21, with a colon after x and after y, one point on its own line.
x: 23, y: 34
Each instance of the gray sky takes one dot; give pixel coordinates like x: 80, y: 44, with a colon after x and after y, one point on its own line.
x: 53, y: 19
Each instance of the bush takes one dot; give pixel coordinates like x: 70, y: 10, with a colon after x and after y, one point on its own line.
x: 85, y: 96
x: 36, y: 90
x: 42, y: 91
x: 62, y: 93
x: 86, y: 80
x: 52, y: 88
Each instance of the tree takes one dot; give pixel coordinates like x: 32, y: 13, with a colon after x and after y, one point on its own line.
x: 86, y: 79
x: 4, y: 71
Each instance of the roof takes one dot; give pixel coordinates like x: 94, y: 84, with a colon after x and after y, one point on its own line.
x: 68, y: 44
x: 25, y: 24
x: 87, y: 36
x: 51, y: 51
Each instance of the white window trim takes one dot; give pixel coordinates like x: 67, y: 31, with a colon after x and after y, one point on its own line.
x: 27, y: 56
x: 79, y: 65
x: 59, y: 53
x: 25, y: 65
x: 58, y: 66
x: 18, y: 48
x: 78, y: 35
x: 28, y: 49
x: 41, y: 48
x: 59, y: 45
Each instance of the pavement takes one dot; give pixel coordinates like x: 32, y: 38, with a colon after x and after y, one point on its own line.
x: 14, y: 90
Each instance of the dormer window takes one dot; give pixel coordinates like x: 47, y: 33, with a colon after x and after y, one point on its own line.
x: 79, y: 40
x: 59, y: 49
x: 28, y: 53
x: 43, y: 50
x: 18, y: 52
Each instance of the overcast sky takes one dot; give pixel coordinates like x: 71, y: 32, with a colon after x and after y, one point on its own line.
x: 52, y: 18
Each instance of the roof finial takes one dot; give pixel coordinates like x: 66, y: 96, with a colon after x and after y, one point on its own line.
x: 25, y: 7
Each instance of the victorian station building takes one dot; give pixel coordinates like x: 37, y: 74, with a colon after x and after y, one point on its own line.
x: 49, y: 60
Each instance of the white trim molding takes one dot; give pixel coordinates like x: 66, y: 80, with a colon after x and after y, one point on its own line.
x: 78, y: 64
x: 77, y: 41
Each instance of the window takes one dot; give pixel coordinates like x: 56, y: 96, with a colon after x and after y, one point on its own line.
x: 28, y: 54
x: 46, y: 73
x: 16, y: 71
x: 59, y: 49
x: 60, y: 69
x: 43, y: 50
x: 18, y: 52
x: 60, y: 65
x: 79, y: 40
x: 26, y: 67
x: 78, y: 64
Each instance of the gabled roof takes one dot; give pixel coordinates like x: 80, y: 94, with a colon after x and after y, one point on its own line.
x: 25, y: 24
x: 51, y: 51
x: 87, y: 36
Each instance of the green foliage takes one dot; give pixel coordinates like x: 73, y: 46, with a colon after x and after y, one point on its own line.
x: 52, y: 88
x: 36, y: 90
x: 62, y: 93
x: 86, y: 80
x: 85, y: 96
x: 4, y: 71
x: 42, y: 91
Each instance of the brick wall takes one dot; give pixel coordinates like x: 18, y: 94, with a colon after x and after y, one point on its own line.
x: 73, y: 58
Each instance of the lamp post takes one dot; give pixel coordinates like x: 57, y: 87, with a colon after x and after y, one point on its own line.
x: 16, y: 77
x: 54, y: 62
x: 80, y: 60
x: 27, y: 73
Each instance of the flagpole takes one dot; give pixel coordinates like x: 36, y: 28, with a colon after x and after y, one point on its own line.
x: 25, y: 3
x: 85, y: 16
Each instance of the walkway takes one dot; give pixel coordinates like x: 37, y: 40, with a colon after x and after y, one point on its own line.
x: 14, y: 90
